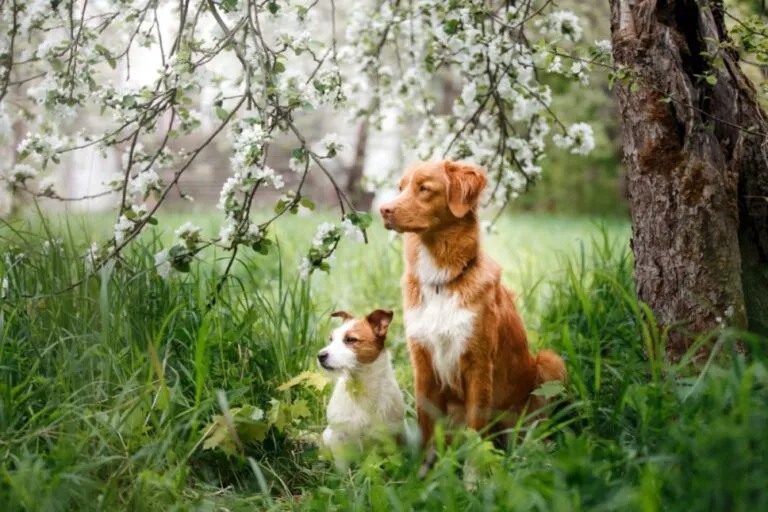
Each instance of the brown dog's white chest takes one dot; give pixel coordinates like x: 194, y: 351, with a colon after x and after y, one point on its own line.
x: 439, y: 323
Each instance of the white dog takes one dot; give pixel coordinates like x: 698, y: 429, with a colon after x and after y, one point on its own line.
x: 366, y: 398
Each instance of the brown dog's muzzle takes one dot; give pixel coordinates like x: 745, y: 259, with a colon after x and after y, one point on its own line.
x: 387, y: 211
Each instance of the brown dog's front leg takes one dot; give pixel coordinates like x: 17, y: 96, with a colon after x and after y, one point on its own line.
x: 478, y: 390
x: 429, y: 400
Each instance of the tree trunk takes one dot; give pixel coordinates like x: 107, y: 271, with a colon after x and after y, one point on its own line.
x: 697, y: 169
x: 361, y: 198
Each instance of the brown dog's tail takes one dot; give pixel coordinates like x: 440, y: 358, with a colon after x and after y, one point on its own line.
x: 549, y: 367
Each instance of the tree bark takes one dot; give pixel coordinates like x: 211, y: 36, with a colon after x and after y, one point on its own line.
x: 697, y: 169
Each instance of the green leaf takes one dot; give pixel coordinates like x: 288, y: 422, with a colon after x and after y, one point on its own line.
x: 262, y: 246
x: 221, y: 113
x: 152, y: 221
x: 298, y: 153
x: 252, y: 431
x: 299, y: 409
x: 307, y: 203
x: 57, y: 65
x: 181, y: 265
x: 549, y: 389
x: 176, y: 251
x: 451, y: 27
x: 363, y: 220
x: 711, y: 79
x: 276, y: 415
x: 279, y: 67
x: 229, y: 5
x: 129, y: 214
x: 273, y: 7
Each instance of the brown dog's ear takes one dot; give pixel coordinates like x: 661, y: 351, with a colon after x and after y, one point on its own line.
x: 342, y: 314
x: 465, y: 183
x: 379, y: 321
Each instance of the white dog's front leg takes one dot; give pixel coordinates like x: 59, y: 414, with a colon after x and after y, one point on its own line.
x: 336, y: 441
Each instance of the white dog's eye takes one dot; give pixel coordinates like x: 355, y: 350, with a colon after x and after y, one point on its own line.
x: 349, y: 340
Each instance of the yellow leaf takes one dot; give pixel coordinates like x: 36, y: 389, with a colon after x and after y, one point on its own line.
x: 314, y: 379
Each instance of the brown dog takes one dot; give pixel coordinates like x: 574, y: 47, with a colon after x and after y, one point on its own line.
x: 467, y: 342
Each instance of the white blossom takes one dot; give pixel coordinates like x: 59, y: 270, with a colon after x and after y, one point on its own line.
x: 583, y: 139
x: 40, y: 146
x: 305, y: 268
x: 269, y: 176
x: 21, y: 173
x: 228, y: 231
x: 163, y: 264
x: 92, y: 257
x: 46, y: 186
x: 561, y: 25
x: 189, y: 233
x: 144, y: 183
x: 489, y: 227
x: 323, y: 230
x: 556, y: 66
x: 253, y: 234
x: 579, y: 139
x: 49, y: 246
x: 331, y: 144
x: 140, y: 210
x: 123, y: 228
x: 297, y: 165
x: 351, y: 231
x: 228, y: 195
x: 604, y: 46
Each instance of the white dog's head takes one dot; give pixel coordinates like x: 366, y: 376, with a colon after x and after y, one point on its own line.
x: 357, y: 342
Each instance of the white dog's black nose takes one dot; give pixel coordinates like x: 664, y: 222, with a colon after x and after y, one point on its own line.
x: 322, y: 357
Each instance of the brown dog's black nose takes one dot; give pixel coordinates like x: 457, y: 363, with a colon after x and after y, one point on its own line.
x: 385, y: 210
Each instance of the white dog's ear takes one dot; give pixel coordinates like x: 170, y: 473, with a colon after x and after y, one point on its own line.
x: 379, y: 321
x: 465, y: 184
x: 342, y: 314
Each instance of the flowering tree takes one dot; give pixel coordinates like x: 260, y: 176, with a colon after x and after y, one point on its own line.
x: 267, y: 64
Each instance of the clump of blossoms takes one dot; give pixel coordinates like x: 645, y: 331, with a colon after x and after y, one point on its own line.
x: 503, y: 114
x: 327, y: 238
x: 578, y: 139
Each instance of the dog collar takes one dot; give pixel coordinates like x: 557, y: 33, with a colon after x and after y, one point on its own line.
x: 462, y: 272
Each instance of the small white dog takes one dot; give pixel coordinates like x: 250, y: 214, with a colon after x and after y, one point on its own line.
x: 366, y: 398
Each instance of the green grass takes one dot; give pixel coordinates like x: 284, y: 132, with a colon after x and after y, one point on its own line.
x: 122, y: 394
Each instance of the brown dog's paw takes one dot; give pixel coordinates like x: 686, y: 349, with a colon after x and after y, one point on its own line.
x: 428, y: 463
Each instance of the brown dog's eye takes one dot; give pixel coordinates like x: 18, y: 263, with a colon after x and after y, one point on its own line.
x: 423, y: 189
x: 349, y: 340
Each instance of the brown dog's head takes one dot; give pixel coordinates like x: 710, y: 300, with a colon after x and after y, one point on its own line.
x: 357, y: 342
x: 433, y: 195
